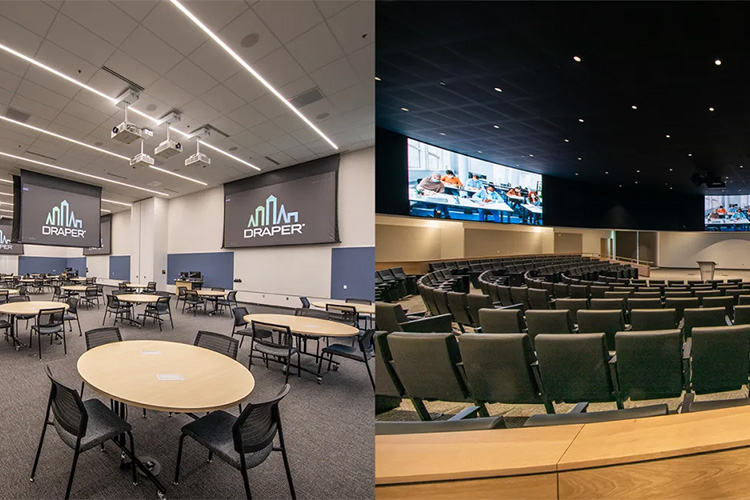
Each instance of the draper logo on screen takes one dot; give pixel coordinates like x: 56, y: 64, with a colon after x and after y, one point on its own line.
x: 5, y: 243
x: 61, y: 221
x: 270, y: 220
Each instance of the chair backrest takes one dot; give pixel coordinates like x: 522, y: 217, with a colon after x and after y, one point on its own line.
x: 707, y: 293
x: 520, y: 295
x: 720, y: 358
x: 162, y: 303
x: 50, y: 317
x: 618, y: 295
x: 72, y: 305
x: 703, y: 316
x: 151, y: 286
x: 572, y: 305
x: 679, y: 304
x: 552, y: 321
x: 607, y: 322
x: 346, y: 314
x: 313, y: 313
x: 677, y: 293
x: 647, y: 295
x: 501, y: 320
x: 275, y: 336
x: 19, y: 298
x: 101, y: 336
x: 726, y: 302
x: 305, y: 302
x: 388, y: 316
x: 742, y: 315
x: 427, y: 365
x: 644, y: 303
x: 181, y: 291
x: 574, y: 367
x: 560, y: 290
x: 539, y: 298
x: 649, y: 364
x: 503, y: 293
x: 442, y: 323
x: 459, y: 308
x: 743, y: 300
x: 192, y: 295
x: 67, y: 408
x: 218, y: 343
x: 499, y: 368
x: 258, y: 424
x: 387, y: 382
x: 578, y: 291
x: 441, y: 300
x: 609, y: 304
x: 652, y: 319
x: 477, y: 302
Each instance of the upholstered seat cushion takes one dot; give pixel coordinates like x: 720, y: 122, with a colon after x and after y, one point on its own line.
x: 102, y: 426
x: 274, y: 351
x: 347, y: 351
x: 47, y: 330
x: 214, y: 431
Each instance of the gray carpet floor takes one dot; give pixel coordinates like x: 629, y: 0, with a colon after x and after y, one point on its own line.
x: 328, y: 428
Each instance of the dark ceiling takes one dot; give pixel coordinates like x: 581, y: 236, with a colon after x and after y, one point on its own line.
x: 443, y: 60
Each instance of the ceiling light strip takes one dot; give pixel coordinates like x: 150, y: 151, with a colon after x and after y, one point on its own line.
x: 117, y: 202
x: 69, y: 139
x: 21, y: 158
x: 251, y: 70
x: 178, y: 175
x: 229, y: 155
x: 105, y: 210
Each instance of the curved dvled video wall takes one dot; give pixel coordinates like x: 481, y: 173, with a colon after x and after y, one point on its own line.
x: 447, y: 185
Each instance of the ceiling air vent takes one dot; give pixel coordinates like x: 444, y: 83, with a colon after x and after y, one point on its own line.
x: 40, y: 155
x: 117, y: 75
x: 272, y: 160
x: 306, y: 97
x: 16, y: 115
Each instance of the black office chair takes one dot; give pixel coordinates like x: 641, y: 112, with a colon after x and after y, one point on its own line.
x: 90, y: 296
x: 362, y: 352
x: 159, y: 309
x: 228, y: 302
x: 181, y: 291
x: 101, y: 336
x: 193, y: 301
x: 82, y: 425
x: 274, y: 343
x: 239, y: 327
x: 114, y: 306
x: 217, y: 342
x: 72, y: 314
x: 49, y: 322
x: 243, y: 442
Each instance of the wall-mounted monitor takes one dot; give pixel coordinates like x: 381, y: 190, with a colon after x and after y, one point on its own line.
x: 52, y: 211
x: 726, y: 212
x: 447, y: 185
x: 105, y: 239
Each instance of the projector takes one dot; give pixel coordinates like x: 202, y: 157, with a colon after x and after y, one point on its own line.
x: 141, y: 160
x: 198, y: 160
x: 168, y: 149
x: 126, y: 132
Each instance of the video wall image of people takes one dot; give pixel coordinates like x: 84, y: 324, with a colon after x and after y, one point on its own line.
x: 727, y: 213
x: 448, y: 185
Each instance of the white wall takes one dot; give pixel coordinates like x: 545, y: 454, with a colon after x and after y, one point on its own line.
x: 728, y: 250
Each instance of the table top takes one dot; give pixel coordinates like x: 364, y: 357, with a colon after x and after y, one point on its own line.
x: 11, y: 291
x: 138, y: 298
x: 361, y: 308
x: 29, y: 280
x: 75, y: 288
x: 129, y: 372
x: 410, y: 458
x: 136, y: 285
x: 30, y: 307
x: 77, y: 279
x: 535, y: 209
x: 304, y: 325
x: 211, y: 293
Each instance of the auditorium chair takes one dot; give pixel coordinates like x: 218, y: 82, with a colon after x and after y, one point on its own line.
x: 578, y: 291
x: 669, y: 293
x: 442, y: 323
x: 679, y: 304
x: 742, y: 315
x: 388, y: 317
x: 459, y: 308
x: 502, y: 369
x: 597, y: 291
x: 727, y: 302
x: 743, y: 300
x: 607, y: 322
x: 719, y: 359
x: 652, y: 319
x: 501, y: 321
x: 539, y: 299
x: 388, y: 388
x: 572, y: 305
x: 643, y: 303
x: 441, y: 300
x: 704, y: 316
x: 503, y: 293
x: 561, y: 290
x: 520, y: 295
x: 609, y: 304
x: 469, y: 424
x: 701, y: 294
x: 553, y: 321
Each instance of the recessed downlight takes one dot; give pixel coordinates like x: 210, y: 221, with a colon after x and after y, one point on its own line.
x: 377, y: 79
x: 711, y: 109
x: 496, y: 126
x: 151, y: 107
x: 322, y: 116
x: 717, y: 62
x: 250, y: 40
x: 580, y: 120
x: 668, y: 136
x: 404, y: 109
x: 498, y: 89
x: 566, y: 140
x: 442, y: 133
x: 634, y: 106
x: 577, y: 59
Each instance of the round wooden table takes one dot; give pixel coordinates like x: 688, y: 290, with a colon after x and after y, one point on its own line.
x: 137, y: 298
x: 165, y: 376
x: 136, y: 285
x: 28, y: 308
x: 303, y: 325
x: 360, y: 308
x: 74, y: 288
x: 213, y: 296
x: 11, y: 291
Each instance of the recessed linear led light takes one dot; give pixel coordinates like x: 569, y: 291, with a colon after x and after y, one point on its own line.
x: 178, y: 175
x: 113, y: 100
x: 252, y: 71
x: 11, y: 182
x: 576, y: 59
x: 91, y: 176
x: 105, y: 210
x: 5, y: 203
x: 3, y: 210
x: 117, y: 202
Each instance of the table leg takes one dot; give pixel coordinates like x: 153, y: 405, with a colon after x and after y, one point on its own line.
x: 147, y: 466
x: 17, y: 344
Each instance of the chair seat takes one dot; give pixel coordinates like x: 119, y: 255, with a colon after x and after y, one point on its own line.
x: 249, y: 333
x: 214, y: 431
x: 347, y: 351
x: 47, y: 330
x: 70, y: 317
x: 102, y: 426
x: 274, y: 351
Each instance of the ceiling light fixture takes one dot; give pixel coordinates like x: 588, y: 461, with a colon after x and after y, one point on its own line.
x: 178, y: 175
x: 71, y: 171
x: 404, y: 109
x: 606, y: 173
x: 478, y: 151
x: 377, y: 79
x: 671, y: 169
x: 252, y: 71
x: 634, y: 106
x: 576, y: 173
x: 668, y: 136
x: 112, y: 100
x: 117, y: 202
x: 566, y: 140
x: 711, y: 109
x: 531, y: 156
x: 498, y: 89
x: 442, y: 133
x: 105, y: 210
x: 580, y: 120
x: 579, y: 158
x: 690, y: 154
x: 6, y: 181
x: 496, y: 126
x: 576, y: 59
x: 441, y: 82
x: 717, y: 62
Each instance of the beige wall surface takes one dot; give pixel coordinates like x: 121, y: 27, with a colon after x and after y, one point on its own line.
x: 728, y: 250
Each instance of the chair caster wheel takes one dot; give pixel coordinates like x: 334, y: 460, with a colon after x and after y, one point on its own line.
x: 209, y: 461
x: 320, y: 380
x: 31, y: 479
x: 162, y: 496
x: 335, y: 368
x: 176, y: 483
x: 135, y: 484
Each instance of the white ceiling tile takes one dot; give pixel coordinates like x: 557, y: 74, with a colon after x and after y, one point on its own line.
x: 19, y: 38
x: 270, y: 106
x: 288, y: 19
x: 150, y: 50
x: 354, y: 97
x: 315, y: 48
x: 220, y: 98
x: 13, y: 64
x: 191, y: 78
x: 367, y: 132
x: 319, y: 147
x: 5, y: 97
x: 9, y: 81
x: 290, y: 122
x: 50, y: 146
x: 67, y: 132
x: 55, y: 4
x: 284, y: 142
x: 249, y: 24
x: 200, y: 111
x: 215, y: 61
x: 137, y: 9
x: 330, y: 7
x: 267, y: 131
x: 335, y: 76
x: 75, y: 123
x: 247, y: 116
x: 40, y: 94
x: 227, y: 125
x: 168, y: 93
x: 131, y: 69
x: 101, y: 18
x: 282, y: 158
x: 246, y: 86
x: 146, y: 101
x: 35, y: 16
x: 33, y: 108
x: 306, y: 135
x: 352, y: 23
x: 299, y: 153
x: 363, y: 61
x: 279, y: 68
x: 107, y: 83
x: 86, y: 113
x: 216, y: 14
x: 247, y: 139
x: 80, y: 41
x: 172, y: 26
x: 96, y: 102
x: 264, y: 149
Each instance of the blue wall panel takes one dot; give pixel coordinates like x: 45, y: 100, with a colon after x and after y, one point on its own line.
x: 354, y: 268
x: 119, y: 267
x: 78, y: 263
x: 47, y: 265
x: 217, y: 267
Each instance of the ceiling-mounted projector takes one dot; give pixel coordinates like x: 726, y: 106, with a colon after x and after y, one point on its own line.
x: 168, y: 149
x: 126, y: 132
x: 198, y: 160
x: 141, y: 160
